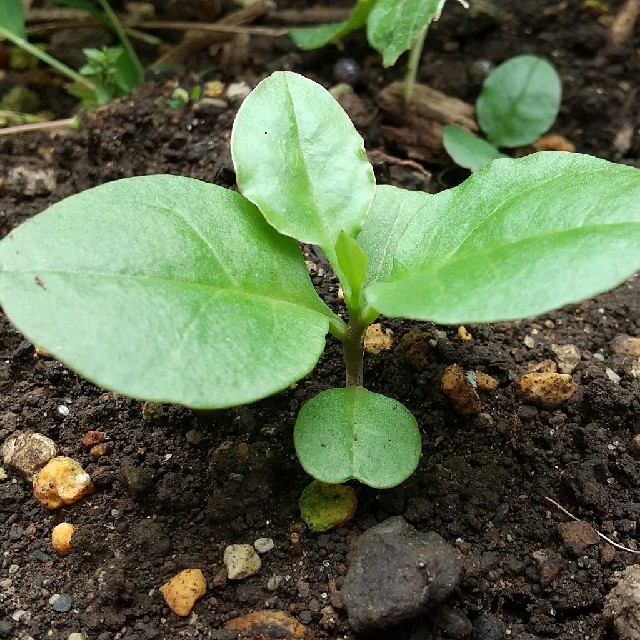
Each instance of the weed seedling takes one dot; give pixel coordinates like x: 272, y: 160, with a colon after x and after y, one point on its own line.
x: 392, y: 28
x: 519, y: 101
x: 170, y: 289
x: 109, y: 73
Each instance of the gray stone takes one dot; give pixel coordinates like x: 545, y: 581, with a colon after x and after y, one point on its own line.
x: 621, y: 604
x: 453, y: 622
x: 487, y: 627
x: 27, y: 452
x: 397, y: 573
x: 61, y: 602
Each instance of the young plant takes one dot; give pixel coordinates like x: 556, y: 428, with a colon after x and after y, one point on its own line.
x: 392, y: 28
x: 108, y: 73
x: 169, y: 289
x: 519, y: 101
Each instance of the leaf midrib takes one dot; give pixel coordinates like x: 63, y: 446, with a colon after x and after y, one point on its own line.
x: 459, y: 256
x: 180, y: 284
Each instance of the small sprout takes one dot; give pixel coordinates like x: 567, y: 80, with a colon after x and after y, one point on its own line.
x: 203, y: 298
x: 519, y: 101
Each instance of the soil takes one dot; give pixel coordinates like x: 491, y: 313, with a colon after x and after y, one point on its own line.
x: 178, y: 487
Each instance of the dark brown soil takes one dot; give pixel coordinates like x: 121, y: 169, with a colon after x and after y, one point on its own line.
x: 171, y: 496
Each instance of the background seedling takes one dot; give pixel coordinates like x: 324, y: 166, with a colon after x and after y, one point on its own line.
x: 109, y: 73
x: 392, y: 27
x: 173, y: 290
x: 519, y: 101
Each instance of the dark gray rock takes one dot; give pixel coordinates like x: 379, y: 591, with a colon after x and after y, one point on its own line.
x: 453, y: 622
x: 487, y: 628
x: 397, y: 573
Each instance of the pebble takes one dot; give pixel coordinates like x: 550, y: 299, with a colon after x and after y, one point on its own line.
x: 241, y: 561
x: 210, y: 106
x: 102, y: 449
x: 92, y: 438
x: 347, y: 70
x: 194, y: 437
x: 21, y: 615
x: 567, y: 357
x: 27, y: 452
x: 453, y: 622
x: 621, y: 603
x: 612, y: 375
x: 480, y: 69
x: 577, y: 536
x: 377, y: 339
x: 237, y: 92
x: 183, y: 590
x: 326, y: 506
x: 61, y: 481
x: 61, y: 602
x: 461, y: 389
x: 549, y: 389
x: 634, y: 446
x: 269, y: 624
x: 486, y: 627
x: 263, y: 545
x: 549, y: 565
x: 625, y: 345
x: 395, y: 573
x: 61, y: 537
x: 77, y: 636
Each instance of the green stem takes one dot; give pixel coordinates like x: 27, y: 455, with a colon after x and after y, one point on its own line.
x: 47, y: 59
x: 122, y: 36
x: 412, y: 66
x: 353, y: 354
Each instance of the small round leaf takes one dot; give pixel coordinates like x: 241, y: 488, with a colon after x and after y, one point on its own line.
x: 519, y: 101
x: 353, y: 433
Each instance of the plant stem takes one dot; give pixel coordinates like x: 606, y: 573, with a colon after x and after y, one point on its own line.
x: 353, y: 354
x: 47, y: 59
x: 122, y: 36
x: 412, y: 66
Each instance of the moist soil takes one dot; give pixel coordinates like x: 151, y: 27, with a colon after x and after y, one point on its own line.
x: 175, y: 488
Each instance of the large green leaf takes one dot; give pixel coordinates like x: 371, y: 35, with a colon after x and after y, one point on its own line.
x: 467, y: 150
x: 393, y: 25
x: 299, y: 158
x: 519, y: 101
x: 353, y: 433
x: 12, y: 17
x: 307, y: 38
x: 390, y: 212
x: 518, y: 238
x: 167, y: 289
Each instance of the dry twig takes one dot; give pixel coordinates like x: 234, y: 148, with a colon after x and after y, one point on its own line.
x: 609, y: 540
x: 624, y: 22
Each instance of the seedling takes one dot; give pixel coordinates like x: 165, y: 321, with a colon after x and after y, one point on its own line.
x: 169, y: 289
x: 392, y: 28
x: 519, y: 101
x: 109, y: 73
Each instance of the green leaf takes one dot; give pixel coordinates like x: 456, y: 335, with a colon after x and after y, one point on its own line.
x: 299, y: 158
x: 519, y: 238
x: 519, y: 101
x: 352, y: 433
x: 390, y: 212
x: 352, y: 261
x: 393, y: 25
x: 12, y: 17
x: 307, y: 38
x: 166, y: 289
x: 468, y: 150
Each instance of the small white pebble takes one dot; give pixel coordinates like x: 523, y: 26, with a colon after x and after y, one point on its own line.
x: 612, y: 375
x: 63, y: 410
x: 263, y: 545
